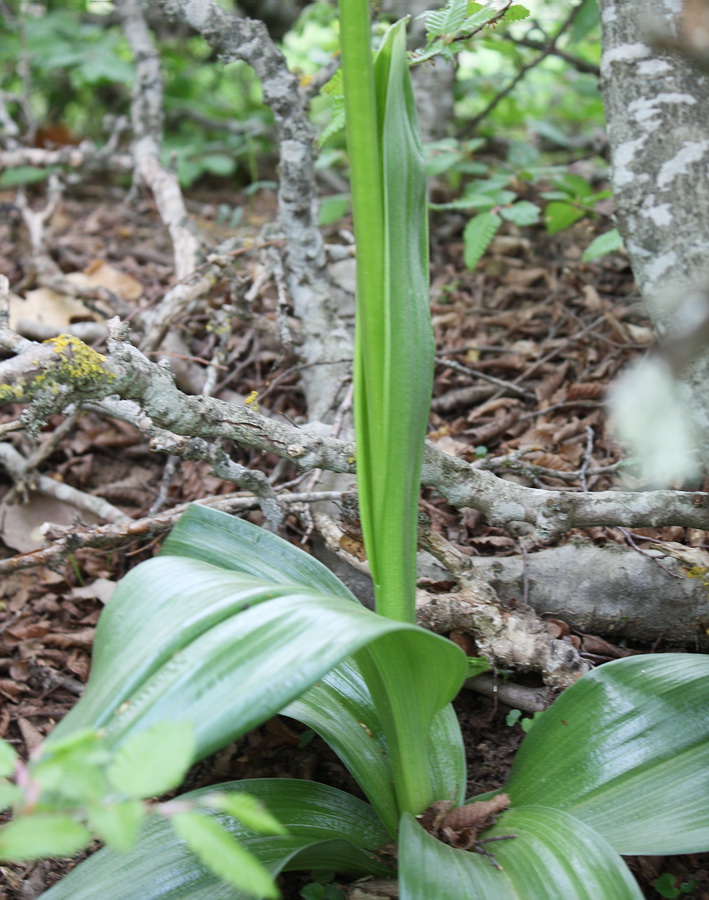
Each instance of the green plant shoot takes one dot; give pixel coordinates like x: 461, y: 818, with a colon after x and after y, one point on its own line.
x: 394, y: 349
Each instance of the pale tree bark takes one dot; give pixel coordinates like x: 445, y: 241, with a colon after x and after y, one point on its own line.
x: 657, y: 108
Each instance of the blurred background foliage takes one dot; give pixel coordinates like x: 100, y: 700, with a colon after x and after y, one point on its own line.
x: 66, y: 73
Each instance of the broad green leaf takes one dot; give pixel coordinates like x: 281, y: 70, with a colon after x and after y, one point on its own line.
x: 8, y: 759
x: 340, y: 709
x: 477, y: 235
x: 327, y: 829
x: 154, y: 761
x: 248, y: 810
x: 272, y: 651
x: 117, y: 824
x: 626, y: 750
x: 552, y: 856
x: 608, y: 242
x: 558, y: 216
x: 158, y: 608
x: 223, y: 856
x: 232, y: 543
x: 42, y: 834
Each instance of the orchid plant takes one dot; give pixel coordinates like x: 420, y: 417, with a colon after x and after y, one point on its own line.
x: 230, y: 625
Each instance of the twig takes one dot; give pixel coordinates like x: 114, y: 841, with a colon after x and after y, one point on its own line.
x: 507, y: 386
x: 530, y: 370
x: 147, y: 120
x: 548, y: 50
x: 583, y: 471
x: 165, y: 482
x: 67, y: 540
x: 516, y: 696
x: 581, y: 65
x: 16, y: 467
x: 512, y: 463
x: 318, y: 306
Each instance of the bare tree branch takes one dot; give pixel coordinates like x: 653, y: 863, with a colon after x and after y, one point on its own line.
x: 64, y: 370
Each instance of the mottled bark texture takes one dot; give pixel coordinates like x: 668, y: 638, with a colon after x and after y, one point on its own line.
x: 657, y: 108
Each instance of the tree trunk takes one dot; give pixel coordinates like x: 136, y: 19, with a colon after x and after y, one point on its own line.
x: 657, y: 107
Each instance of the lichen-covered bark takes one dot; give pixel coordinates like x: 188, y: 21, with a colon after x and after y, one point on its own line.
x: 657, y: 108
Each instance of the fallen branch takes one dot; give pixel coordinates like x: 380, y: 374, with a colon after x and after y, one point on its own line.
x: 509, y: 638
x: 107, y: 537
x: 62, y: 371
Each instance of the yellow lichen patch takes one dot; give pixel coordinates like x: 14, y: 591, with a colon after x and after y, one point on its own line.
x: 252, y: 400
x: 80, y: 364
x: 12, y: 392
x: 701, y: 573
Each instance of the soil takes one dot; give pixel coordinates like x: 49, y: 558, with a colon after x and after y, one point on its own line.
x: 532, y: 315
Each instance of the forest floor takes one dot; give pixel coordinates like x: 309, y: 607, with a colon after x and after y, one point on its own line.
x: 549, y: 330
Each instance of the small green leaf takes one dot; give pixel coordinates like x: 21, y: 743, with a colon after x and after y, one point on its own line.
x: 336, y: 123
x: 42, y: 834
x: 25, y: 175
x: 448, y: 20
x: 477, y: 235
x: 8, y: 759
x: 10, y: 794
x: 333, y: 208
x: 118, y: 824
x: 218, y: 164
x: 477, y: 664
x: 585, y: 21
x: 522, y: 213
x: 223, y: 856
x: 248, y: 810
x: 574, y: 185
x: 608, y: 242
x: 153, y: 761
x: 72, y: 766
x: 516, y: 14
x: 666, y: 886
x: 481, y: 17
x: 559, y: 215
